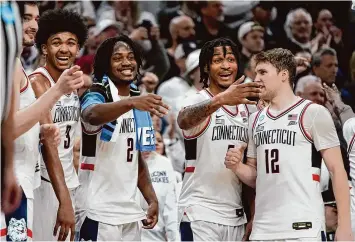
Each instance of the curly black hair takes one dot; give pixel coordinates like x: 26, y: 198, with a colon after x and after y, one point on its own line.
x: 59, y: 20
x: 21, y: 6
x: 207, y: 53
x: 102, y: 61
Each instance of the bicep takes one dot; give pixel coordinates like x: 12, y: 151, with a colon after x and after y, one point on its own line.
x: 17, y: 86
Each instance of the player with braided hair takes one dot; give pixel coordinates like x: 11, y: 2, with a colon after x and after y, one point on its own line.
x: 213, y: 120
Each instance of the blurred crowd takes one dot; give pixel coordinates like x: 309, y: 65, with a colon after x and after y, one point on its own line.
x: 171, y: 33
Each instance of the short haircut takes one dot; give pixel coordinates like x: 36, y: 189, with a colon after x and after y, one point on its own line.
x: 304, y: 81
x: 21, y: 6
x: 207, y: 53
x: 290, y: 18
x: 58, y: 20
x: 281, y: 59
x: 317, y: 57
x: 102, y: 61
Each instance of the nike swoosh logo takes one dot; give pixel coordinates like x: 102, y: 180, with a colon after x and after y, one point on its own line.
x: 218, y: 116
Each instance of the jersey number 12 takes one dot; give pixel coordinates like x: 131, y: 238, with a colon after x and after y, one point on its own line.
x: 271, y: 160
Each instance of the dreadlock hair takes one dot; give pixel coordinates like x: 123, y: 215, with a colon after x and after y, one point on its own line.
x: 207, y: 53
x: 102, y: 61
x: 58, y: 20
x: 21, y: 6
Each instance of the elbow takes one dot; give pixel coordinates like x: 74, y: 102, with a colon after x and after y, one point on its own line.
x: 182, y: 122
x: 92, y: 117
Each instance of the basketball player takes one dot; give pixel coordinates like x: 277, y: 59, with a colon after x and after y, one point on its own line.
x: 109, y: 146
x: 27, y: 129
x: 10, y: 47
x: 214, y: 120
x: 287, y: 141
x: 349, y: 136
x: 60, y: 35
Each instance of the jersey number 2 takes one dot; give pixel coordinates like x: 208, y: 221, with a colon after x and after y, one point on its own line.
x: 271, y: 160
x: 129, y: 149
x: 67, y: 136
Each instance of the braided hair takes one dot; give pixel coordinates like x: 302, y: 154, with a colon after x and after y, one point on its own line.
x: 207, y: 53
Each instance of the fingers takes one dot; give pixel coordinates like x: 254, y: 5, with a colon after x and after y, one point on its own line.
x: 63, y: 233
x: 239, y: 81
x: 56, y: 228
x: 250, y: 85
x: 72, y: 70
x: 149, y: 223
x: 72, y: 233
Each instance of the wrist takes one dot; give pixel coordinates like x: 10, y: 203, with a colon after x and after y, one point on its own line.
x: 132, y: 102
x: 218, y: 100
x: 57, y: 93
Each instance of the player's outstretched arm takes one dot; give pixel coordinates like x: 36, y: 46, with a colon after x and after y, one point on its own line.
x: 65, y: 216
x: 147, y: 190
x: 236, y: 94
x: 333, y: 160
x: 245, y: 172
x: 99, y: 114
x: 26, y: 118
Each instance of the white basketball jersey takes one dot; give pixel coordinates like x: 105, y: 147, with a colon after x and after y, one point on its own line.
x: 349, y: 136
x: 210, y: 191
x: 65, y: 114
x: 111, y: 194
x: 288, y: 201
x: 27, y: 147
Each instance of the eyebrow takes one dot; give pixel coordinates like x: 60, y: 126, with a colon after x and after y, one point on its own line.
x: 119, y: 53
x: 228, y: 53
x: 261, y: 69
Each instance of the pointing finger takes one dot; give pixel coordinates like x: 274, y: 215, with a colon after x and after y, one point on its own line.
x: 239, y: 81
x: 73, y: 69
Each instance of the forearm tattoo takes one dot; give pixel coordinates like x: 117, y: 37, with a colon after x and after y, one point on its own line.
x: 195, y: 114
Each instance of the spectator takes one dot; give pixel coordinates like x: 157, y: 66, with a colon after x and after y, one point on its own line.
x: 182, y: 29
x: 148, y: 83
x: 87, y: 59
x: 164, y: 182
x: 251, y: 36
x: 298, y: 29
x: 310, y: 87
x: 211, y: 25
x: 185, y: 8
x: 325, y: 65
x: 127, y: 13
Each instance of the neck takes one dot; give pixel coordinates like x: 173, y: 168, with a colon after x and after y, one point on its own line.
x: 215, y: 89
x: 122, y: 87
x: 55, y: 73
x: 173, y: 46
x: 246, y: 52
x: 283, y: 99
x: 210, y: 23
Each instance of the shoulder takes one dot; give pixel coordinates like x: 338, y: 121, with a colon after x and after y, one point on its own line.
x: 312, y: 110
x: 349, y: 128
x: 39, y: 82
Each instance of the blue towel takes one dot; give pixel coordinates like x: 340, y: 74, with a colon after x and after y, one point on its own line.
x: 100, y: 93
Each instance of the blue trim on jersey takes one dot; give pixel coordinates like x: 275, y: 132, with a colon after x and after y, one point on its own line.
x: 91, y: 98
x: 89, y: 230
x: 17, y: 218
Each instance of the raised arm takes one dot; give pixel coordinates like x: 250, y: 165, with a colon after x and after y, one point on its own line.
x: 96, y: 112
x: 65, y: 216
x: 236, y: 94
x: 26, y: 118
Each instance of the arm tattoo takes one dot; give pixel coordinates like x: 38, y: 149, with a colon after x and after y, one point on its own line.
x: 195, y: 114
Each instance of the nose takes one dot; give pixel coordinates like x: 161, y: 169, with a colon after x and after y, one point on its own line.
x: 126, y: 62
x: 225, y: 65
x: 192, y: 31
x: 34, y: 25
x: 64, y: 48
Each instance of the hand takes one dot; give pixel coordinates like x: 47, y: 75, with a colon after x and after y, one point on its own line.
x: 248, y: 229
x: 331, y: 218
x: 70, y: 80
x: 11, y: 193
x: 155, y: 33
x: 152, y: 216
x: 234, y: 157
x: 261, y: 104
x: 151, y: 103
x: 172, y: 125
x: 140, y: 33
x: 344, y: 234
x: 238, y: 93
x: 332, y: 93
x: 302, y: 64
x: 65, y: 220
x: 150, y: 81
x: 51, y: 133
x: 336, y: 33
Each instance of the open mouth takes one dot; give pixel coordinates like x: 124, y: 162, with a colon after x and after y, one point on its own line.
x: 225, y: 76
x: 127, y: 72
x: 63, y: 60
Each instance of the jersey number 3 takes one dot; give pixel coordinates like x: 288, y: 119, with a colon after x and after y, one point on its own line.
x: 271, y: 160
x: 67, y: 137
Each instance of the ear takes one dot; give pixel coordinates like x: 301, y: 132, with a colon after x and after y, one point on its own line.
x: 284, y: 75
x: 44, y: 49
x: 298, y: 93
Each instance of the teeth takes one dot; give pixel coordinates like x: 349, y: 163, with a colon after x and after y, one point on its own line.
x: 63, y: 58
x: 126, y: 72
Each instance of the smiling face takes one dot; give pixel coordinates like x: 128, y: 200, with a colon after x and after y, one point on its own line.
x: 30, y: 24
x: 223, y: 67
x: 123, y: 63
x: 61, y: 50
